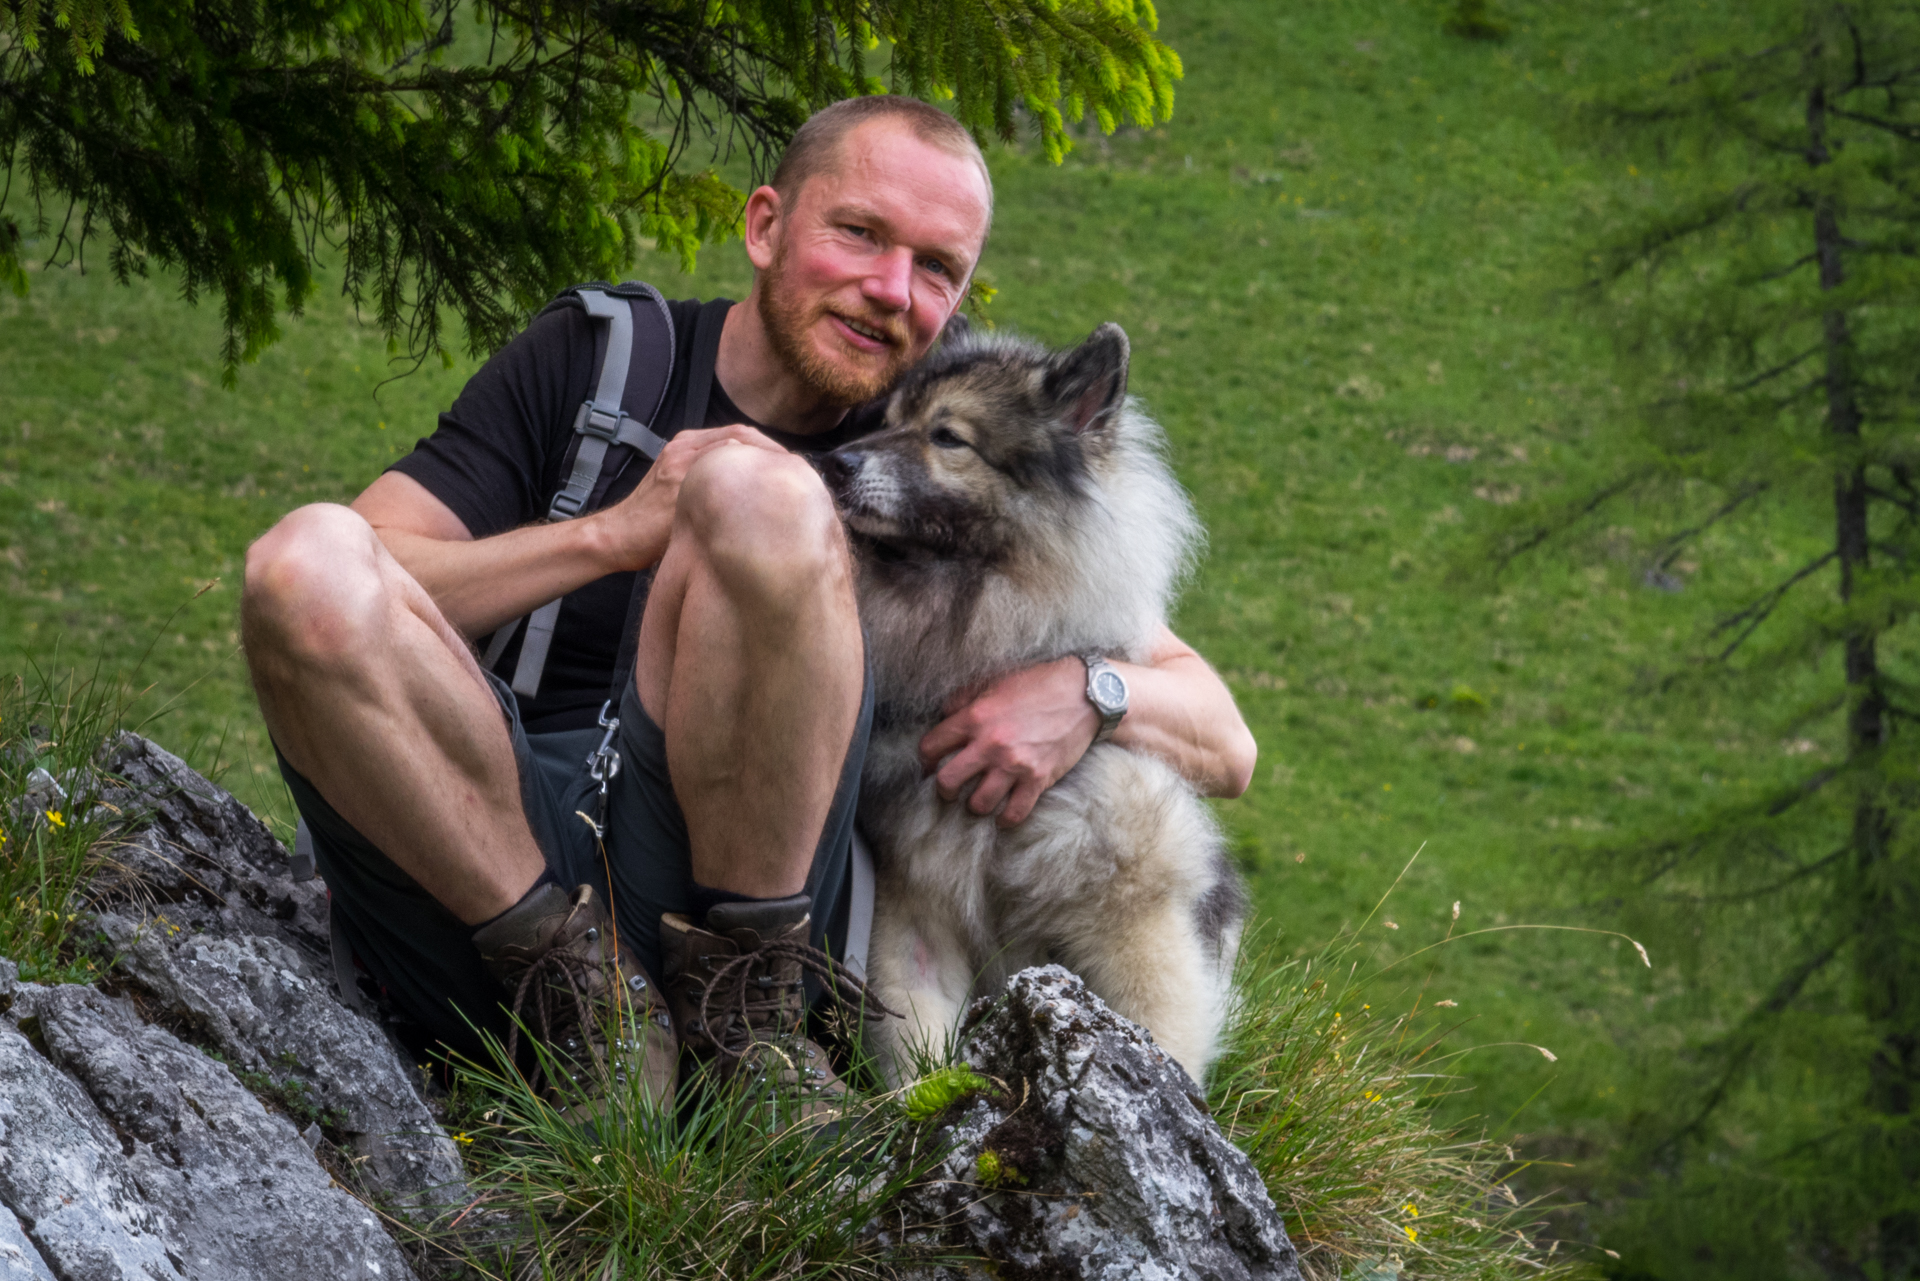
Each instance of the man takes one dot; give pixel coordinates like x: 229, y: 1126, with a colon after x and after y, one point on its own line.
x: 449, y: 816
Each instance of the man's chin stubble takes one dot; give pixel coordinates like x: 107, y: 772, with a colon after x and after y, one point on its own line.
x: 827, y: 380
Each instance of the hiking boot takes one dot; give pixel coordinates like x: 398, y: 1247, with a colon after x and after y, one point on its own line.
x: 556, y: 955
x: 737, y: 990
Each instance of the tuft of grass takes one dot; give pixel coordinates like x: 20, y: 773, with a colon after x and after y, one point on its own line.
x: 51, y: 726
x: 1335, y: 1103
x: 729, y: 1184
x: 1475, y: 20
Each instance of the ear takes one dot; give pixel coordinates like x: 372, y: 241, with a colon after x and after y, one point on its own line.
x: 1088, y: 383
x: 760, y: 226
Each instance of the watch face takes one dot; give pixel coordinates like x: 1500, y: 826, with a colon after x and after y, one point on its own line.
x: 1109, y: 691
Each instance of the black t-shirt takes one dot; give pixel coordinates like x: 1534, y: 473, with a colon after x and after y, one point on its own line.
x: 495, y: 461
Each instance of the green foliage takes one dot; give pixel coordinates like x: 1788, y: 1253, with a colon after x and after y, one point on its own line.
x: 727, y: 1186
x: 1762, y: 279
x: 1335, y: 1104
x: 474, y: 159
x: 939, y: 1090
x: 1367, y: 197
x: 53, y: 723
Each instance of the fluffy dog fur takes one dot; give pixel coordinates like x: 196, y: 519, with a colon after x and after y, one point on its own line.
x: 1015, y: 508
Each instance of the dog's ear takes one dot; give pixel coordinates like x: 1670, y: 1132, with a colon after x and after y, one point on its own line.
x: 1088, y: 383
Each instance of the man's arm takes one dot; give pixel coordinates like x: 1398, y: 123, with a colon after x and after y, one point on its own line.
x: 481, y: 583
x: 1020, y: 735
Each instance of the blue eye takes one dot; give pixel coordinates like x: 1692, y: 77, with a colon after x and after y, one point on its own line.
x: 945, y: 439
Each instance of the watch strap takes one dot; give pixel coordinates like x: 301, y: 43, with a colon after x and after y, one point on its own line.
x: 1110, y: 718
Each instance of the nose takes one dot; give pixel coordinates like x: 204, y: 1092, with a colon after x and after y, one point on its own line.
x: 839, y: 468
x: 890, y: 284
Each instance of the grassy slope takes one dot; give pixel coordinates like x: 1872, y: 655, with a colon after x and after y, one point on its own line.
x: 1337, y: 264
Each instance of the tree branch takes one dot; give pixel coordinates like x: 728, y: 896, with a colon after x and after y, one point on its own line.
x: 1758, y: 611
x: 1669, y: 548
x: 1746, y: 1038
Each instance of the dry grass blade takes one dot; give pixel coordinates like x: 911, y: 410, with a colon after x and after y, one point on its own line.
x: 1333, y: 1103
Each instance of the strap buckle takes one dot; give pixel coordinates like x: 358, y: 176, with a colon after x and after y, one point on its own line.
x: 594, y: 421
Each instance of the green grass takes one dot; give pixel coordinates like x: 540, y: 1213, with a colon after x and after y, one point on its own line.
x: 1331, y: 1100
x: 51, y: 841
x: 1345, y: 266
x: 1333, y: 1096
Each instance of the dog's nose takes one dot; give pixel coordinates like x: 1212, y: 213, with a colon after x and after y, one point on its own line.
x: 839, y: 468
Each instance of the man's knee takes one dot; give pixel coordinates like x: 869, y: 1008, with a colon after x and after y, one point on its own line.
x: 764, y: 524
x: 312, y: 584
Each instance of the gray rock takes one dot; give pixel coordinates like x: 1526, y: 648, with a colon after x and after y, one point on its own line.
x: 9, y: 976
x: 64, y: 1173
x: 244, y: 1196
x: 259, y: 1003
x: 200, y: 858
x: 1108, y: 1165
x: 43, y: 790
x: 19, y: 1260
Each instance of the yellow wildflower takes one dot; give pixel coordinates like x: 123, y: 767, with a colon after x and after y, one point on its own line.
x: 1411, y: 1234
x: 1411, y: 1208
x: 53, y: 817
x: 463, y: 1137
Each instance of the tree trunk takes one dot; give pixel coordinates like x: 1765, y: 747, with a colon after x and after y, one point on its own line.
x: 1882, y: 904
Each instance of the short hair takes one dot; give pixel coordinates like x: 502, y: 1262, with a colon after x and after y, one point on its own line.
x: 816, y: 143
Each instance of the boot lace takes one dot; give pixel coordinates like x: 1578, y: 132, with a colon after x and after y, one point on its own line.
x: 757, y: 999
x: 560, y: 986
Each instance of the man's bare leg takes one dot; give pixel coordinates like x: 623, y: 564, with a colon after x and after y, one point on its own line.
x: 751, y: 662
x: 375, y: 699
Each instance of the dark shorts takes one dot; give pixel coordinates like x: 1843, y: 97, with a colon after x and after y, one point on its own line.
x: 422, y: 956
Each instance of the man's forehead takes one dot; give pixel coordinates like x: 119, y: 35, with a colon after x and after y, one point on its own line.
x: 883, y: 171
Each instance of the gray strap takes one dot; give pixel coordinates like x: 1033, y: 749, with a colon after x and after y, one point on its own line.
x: 303, y: 865
x: 860, y: 909
x: 342, y: 956
x: 502, y: 637
x: 613, y: 370
x: 600, y: 423
x: 533, y: 650
x: 599, y: 419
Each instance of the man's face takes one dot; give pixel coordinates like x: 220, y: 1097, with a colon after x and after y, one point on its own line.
x: 869, y: 259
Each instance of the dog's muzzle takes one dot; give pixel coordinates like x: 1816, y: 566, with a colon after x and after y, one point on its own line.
x: 840, y: 469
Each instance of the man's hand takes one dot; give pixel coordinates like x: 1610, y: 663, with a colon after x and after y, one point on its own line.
x: 479, y: 584
x: 636, y: 527
x: 1019, y: 735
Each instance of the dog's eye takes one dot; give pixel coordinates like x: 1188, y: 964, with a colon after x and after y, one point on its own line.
x: 945, y: 439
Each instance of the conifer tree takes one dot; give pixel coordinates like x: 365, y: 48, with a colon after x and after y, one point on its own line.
x: 1765, y: 285
x: 474, y: 156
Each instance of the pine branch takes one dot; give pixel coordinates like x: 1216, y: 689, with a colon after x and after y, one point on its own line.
x: 1802, y: 872
x: 1757, y: 612
x: 1745, y: 1040
x: 1544, y: 532
x: 1899, y: 129
x: 1669, y: 548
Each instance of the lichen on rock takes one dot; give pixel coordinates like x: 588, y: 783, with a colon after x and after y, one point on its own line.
x: 1093, y: 1158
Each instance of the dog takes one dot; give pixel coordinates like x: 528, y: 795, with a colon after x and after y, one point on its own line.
x: 1016, y: 507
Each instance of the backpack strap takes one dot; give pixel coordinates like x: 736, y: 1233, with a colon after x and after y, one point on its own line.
x: 601, y: 422
x: 635, y: 317
x: 604, y: 764
x: 707, y: 326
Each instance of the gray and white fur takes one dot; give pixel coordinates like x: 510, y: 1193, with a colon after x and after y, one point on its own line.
x: 1017, y: 507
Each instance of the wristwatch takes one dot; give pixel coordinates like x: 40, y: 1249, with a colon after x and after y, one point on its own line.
x: 1107, y: 691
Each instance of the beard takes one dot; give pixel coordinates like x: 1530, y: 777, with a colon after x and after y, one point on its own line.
x: 789, y: 322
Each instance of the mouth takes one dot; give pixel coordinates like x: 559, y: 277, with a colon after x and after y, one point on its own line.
x: 861, y: 335
x: 878, y: 548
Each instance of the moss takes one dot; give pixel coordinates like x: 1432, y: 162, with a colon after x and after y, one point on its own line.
x: 934, y: 1093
